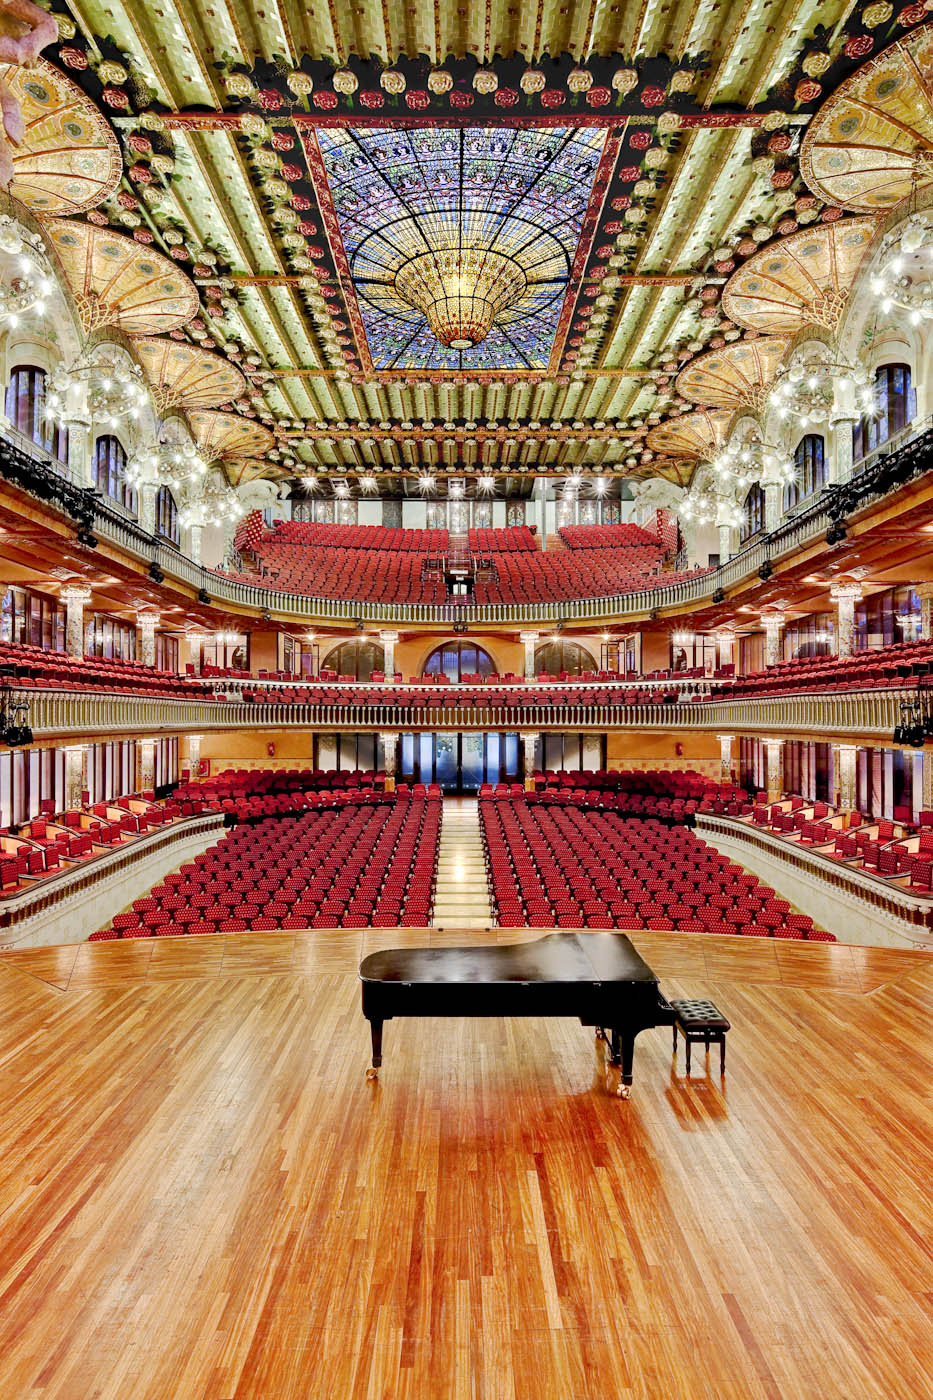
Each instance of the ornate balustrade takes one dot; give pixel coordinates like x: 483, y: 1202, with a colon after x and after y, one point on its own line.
x: 871, y: 714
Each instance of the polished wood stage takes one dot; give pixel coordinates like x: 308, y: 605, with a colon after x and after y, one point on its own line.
x: 202, y: 1198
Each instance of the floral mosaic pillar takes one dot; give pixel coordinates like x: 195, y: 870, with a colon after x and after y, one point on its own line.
x: 726, y: 642
x: 845, y: 596
x: 75, y: 775
x: 528, y: 756
x: 74, y: 597
x: 390, y: 751
x: 725, y: 757
x: 145, y: 765
x: 529, y: 640
x: 194, y: 754
x: 774, y: 752
x: 846, y: 755
x: 147, y: 628
x: 147, y: 498
x: 774, y: 626
x: 388, y: 640
x: 925, y: 593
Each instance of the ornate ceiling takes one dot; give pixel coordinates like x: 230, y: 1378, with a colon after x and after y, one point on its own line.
x: 462, y: 252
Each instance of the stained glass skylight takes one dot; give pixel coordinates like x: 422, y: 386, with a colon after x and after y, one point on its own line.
x: 460, y: 243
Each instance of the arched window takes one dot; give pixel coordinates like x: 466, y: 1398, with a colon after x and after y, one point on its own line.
x: 25, y: 408
x: 166, y: 516
x: 754, y: 521
x: 356, y: 659
x: 554, y: 657
x: 110, y: 472
x: 810, y: 464
x: 458, y: 659
x: 896, y: 402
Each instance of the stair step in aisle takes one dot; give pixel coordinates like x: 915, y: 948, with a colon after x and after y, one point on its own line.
x: 462, y: 896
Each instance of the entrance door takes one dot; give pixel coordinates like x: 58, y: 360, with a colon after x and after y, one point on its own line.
x: 459, y: 762
x: 472, y: 765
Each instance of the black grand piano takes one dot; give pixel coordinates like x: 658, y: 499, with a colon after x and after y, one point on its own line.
x: 598, y: 977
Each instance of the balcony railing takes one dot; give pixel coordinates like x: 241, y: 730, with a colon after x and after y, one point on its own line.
x: 907, y: 456
x: 872, y: 714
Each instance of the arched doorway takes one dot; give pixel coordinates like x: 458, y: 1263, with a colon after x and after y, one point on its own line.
x: 458, y: 659
x: 357, y: 659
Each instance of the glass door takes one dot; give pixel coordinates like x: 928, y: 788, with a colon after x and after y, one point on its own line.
x: 472, y: 766
x: 446, y: 761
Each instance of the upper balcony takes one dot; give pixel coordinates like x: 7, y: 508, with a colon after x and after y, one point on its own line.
x: 882, y: 474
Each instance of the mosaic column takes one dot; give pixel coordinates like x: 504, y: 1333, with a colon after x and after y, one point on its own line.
x: 725, y: 757
x: 845, y: 776
x: 147, y: 498
x: 388, y: 640
x: 725, y: 543
x: 530, y: 640
x: 927, y: 805
x: 194, y: 754
x: 774, y: 752
x: 145, y: 765
x: 75, y: 775
x: 147, y: 629
x: 840, y: 455
x: 725, y: 642
x: 195, y: 533
x: 774, y: 626
x: 390, y: 749
x: 528, y: 755
x: 773, y: 505
x: 925, y: 591
x: 74, y: 597
x: 845, y: 596
x: 541, y: 511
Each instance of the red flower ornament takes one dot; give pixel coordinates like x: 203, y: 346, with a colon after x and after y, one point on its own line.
x: 270, y: 99
x: 552, y: 97
x: 325, y: 100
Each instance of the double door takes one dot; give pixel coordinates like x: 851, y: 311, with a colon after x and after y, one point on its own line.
x: 459, y: 762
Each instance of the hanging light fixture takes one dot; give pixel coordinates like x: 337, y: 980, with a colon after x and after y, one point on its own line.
x: 29, y: 284
x: 96, y: 392
x: 177, y: 465
x: 904, y: 280
x: 805, y: 391
x: 743, y: 464
x: 217, y: 504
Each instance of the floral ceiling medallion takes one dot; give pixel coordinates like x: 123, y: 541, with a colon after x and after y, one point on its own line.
x: 802, y: 280
x: 872, y: 141
x: 115, y: 282
x: 69, y: 159
x: 183, y: 376
x: 228, y: 439
x: 737, y: 376
x: 700, y: 434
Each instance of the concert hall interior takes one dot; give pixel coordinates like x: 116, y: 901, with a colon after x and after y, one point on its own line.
x: 466, y: 700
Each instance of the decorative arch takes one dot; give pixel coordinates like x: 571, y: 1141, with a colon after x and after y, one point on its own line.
x: 355, y: 656
x: 564, y: 656
x: 457, y: 658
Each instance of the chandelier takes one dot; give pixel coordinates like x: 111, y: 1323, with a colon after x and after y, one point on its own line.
x: 97, y: 392
x: 28, y: 287
x: 216, y: 505
x: 461, y: 291
x: 741, y: 465
x: 703, y: 505
x: 806, y: 390
x: 179, y: 466
x: 904, y: 280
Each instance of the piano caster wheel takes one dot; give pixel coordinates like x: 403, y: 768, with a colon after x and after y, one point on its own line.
x: 614, y: 1083
x: 372, y: 1073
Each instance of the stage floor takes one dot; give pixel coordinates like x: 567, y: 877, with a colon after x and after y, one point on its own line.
x: 203, y: 1199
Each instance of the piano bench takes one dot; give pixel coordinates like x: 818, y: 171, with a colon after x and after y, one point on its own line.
x: 700, y: 1021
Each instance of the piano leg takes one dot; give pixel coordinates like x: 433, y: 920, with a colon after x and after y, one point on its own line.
x: 619, y: 1069
x: 376, y: 1028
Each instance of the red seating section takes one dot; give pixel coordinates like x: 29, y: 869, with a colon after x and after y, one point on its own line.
x: 560, y: 866
x: 54, y: 670
x: 369, y: 863
x: 369, y: 563
x: 866, y: 670
x: 608, y: 537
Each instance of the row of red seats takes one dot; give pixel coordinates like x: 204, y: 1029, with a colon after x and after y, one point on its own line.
x: 607, y: 537
x: 883, y: 666
x: 369, y: 864
x: 899, y: 850
x: 257, y: 782
x: 516, y: 537
x: 56, y: 670
x: 566, y: 867
x: 379, y: 537
x: 459, y: 698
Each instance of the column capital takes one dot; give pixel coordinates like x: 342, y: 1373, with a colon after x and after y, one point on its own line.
x: 528, y: 636
x: 148, y: 619
x: 839, y: 592
x: 776, y: 618
x: 74, y: 593
x: 388, y: 636
x: 725, y: 738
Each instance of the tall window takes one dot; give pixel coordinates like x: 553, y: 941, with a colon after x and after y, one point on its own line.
x: 110, y: 472
x: 754, y: 521
x: 109, y: 637
x: 32, y: 619
x: 554, y: 657
x: 896, y: 401
x: 810, y: 464
x: 457, y: 659
x: 356, y: 659
x: 25, y: 408
x: 166, y: 516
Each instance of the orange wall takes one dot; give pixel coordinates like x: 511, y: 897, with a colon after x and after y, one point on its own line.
x: 655, y: 650
x: 263, y: 651
x: 412, y: 651
x: 700, y: 751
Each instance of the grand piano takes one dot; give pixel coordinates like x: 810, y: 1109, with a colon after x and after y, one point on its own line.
x: 598, y: 977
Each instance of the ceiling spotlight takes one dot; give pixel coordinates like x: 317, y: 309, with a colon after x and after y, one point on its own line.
x: 203, y: 596
x: 600, y: 486
x: 368, y: 483
x: 341, y: 490
x: 425, y: 483
x: 455, y: 490
x: 486, y: 484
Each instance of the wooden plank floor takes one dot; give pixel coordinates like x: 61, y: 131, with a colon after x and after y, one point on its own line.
x: 201, y: 1198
